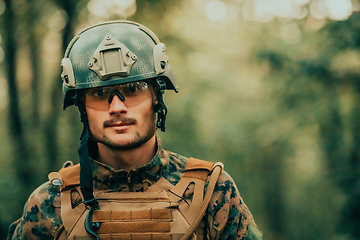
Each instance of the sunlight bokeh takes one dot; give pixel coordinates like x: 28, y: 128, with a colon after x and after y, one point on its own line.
x: 267, y: 10
x: 103, y: 8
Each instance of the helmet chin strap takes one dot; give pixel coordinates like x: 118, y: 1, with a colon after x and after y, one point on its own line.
x: 86, y: 178
x: 160, y: 107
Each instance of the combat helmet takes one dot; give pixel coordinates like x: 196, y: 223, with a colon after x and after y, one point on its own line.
x: 111, y: 53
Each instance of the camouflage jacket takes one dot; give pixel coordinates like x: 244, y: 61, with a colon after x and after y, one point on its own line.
x: 227, y: 216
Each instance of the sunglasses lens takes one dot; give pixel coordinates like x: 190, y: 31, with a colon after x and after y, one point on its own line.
x: 134, y: 94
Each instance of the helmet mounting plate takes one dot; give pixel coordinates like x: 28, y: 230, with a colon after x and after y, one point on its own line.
x: 111, y: 58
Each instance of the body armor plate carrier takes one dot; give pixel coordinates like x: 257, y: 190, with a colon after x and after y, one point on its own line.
x: 158, y: 213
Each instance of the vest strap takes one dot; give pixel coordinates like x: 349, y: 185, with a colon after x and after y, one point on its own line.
x: 71, y: 216
x: 196, y: 172
x: 210, y: 189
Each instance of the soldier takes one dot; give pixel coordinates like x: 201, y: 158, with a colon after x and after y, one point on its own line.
x: 126, y: 185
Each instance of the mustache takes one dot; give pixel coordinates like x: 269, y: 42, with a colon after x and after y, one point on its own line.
x: 124, y: 121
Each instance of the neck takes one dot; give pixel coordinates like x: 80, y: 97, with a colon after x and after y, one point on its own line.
x: 127, y: 159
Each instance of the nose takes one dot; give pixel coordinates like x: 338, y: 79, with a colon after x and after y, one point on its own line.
x: 117, y: 106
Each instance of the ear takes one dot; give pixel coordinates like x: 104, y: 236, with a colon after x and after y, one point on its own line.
x: 154, y: 94
x: 155, y: 100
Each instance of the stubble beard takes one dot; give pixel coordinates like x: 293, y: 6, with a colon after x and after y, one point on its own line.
x: 138, y: 141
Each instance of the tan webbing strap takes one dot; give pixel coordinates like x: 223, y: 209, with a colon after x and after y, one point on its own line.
x: 197, y: 164
x: 60, y: 233
x: 70, y: 176
x: 128, y: 216
x: 209, y: 191
x: 70, y: 216
x: 196, y: 171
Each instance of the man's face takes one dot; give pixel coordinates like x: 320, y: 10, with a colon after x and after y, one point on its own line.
x: 121, y: 125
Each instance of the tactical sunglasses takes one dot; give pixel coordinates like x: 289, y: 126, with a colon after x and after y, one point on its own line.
x: 131, y: 94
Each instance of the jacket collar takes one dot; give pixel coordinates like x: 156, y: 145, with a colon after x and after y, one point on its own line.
x: 139, y: 179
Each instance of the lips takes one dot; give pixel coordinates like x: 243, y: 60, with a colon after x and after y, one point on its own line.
x: 119, y: 123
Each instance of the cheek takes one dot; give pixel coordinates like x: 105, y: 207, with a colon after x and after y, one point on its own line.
x: 147, y: 113
x: 94, y: 120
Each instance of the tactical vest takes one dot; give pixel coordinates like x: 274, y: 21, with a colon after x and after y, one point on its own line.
x: 159, y: 213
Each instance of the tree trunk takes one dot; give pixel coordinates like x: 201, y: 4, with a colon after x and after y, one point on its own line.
x: 56, y: 98
x: 350, y: 180
x: 20, y: 147
x: 35, y: 58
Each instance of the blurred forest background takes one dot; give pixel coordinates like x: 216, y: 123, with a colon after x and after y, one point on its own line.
x: 269, y: 87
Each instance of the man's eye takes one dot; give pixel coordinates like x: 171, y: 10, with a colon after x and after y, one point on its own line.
x: 100, y: 93
x: 133, y: 89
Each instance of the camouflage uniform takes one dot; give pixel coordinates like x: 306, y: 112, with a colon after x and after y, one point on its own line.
x: 227, y: 216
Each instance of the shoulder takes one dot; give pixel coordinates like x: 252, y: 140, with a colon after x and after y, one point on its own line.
x: 226, y: 185
x: 41, y: 215
x: 177, y: 162
x: 226, y: 201
x: 46, y: 192
x: 175, y: 167
x: 228, y: 213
